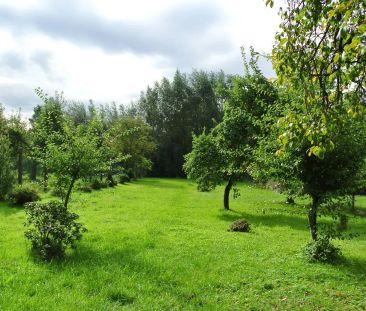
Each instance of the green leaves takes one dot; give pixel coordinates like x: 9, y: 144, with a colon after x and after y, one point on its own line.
x: 269, y: 3
x: 51, y: 229
x: 319, y: 56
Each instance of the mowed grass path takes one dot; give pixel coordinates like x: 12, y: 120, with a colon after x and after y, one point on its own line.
x: 158, y: 244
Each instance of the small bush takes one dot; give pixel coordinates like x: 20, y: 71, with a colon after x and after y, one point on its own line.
x: 52, y: 228
x: 84, y: 187
x: 58, y: 192
x: 322, y: 250
x: 343, y: 221
x: 123, y: 178
x: 23, y: 194
x: 96, y: 184
x: 104, y: 184
x: 111, y: 182
x: 241, y: 225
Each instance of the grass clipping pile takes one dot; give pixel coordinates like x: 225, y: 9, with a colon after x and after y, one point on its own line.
x: 240, y: 225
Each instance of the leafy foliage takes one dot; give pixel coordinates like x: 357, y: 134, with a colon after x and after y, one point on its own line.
x: 18, y: 136
x: 6, y: 166
x: 204, y: 164
x: 322, y: 250
x: 131, y: 144
x: 22, y: 194
x: 74, y: 158
x: 226, y: 153
x: 48, y: 124
x: 189, y: 103
x: 52, y: 229
x: 320, y: 56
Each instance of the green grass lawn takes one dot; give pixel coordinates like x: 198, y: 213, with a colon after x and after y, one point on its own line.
x: 158, y: 244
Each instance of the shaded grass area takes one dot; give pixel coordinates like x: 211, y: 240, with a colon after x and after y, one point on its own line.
x: 158, y: 244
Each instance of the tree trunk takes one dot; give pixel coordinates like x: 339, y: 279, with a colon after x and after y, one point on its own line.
x: 45, y: 179
x: 33, y: 170
x: 312, y: 217
x: 20, y: 166
x: 227, y: 193
x: 67, y: 197
x: 110, y: 180
x: 353, y: 201
x: 290, y: 200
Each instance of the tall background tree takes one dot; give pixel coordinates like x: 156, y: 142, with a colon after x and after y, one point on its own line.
x: 175, y: 109
x: 6, y: 161
x: 18, y: 135
x: 131, y: 140
x: 47, y: 127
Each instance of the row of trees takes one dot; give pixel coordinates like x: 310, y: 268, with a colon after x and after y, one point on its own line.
x: 153, y: 133
x: 70, y: 142
x: 310, y: 136
x: 249, y: 141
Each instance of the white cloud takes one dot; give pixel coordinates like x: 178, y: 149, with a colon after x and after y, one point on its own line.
x: 110, y: 50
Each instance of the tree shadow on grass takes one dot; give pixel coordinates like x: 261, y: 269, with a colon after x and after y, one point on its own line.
x: 7, y: 209
x: 116, y: 263
x: 354, y: 267
x: 283, y: 220
x: 166, y: 184
x: 360, y: 212
x: 108, y: 265
x: 268, y: 220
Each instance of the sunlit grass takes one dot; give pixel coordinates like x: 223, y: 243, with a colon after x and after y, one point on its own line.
x: 158, y: 244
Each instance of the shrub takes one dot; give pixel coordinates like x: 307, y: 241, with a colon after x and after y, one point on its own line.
x: 58, y: 187
x: 58, y: 192
x: 85, y: 187
x: 123, y: 178
x: 52, y: 228
x: 104, y: 184
x: 322, y: 250
x: 111, y: 182
x: 343, y: 221
x: 23, y: 194
x: 96, y: 184
x: 241, y: 225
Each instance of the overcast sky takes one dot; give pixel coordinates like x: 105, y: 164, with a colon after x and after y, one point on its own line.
x: 110, y: 50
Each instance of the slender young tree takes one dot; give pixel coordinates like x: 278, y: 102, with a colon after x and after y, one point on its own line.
x: 76, y: 157
x: 231, y: 143
x: 47, y: 128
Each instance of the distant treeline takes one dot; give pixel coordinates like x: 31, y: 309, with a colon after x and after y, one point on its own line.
x: 174, y: 109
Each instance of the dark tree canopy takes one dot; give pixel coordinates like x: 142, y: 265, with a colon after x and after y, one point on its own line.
x: 175, y: 109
